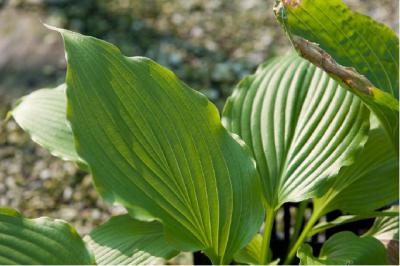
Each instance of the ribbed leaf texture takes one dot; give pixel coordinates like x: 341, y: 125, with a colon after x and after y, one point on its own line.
x: 345, y: 248
x: 125, y: 241
x: 369, y: 184
x: 43, y: 115
x: 153, y: 142
x: 39, y: 241
x: 300, y: 124
x: 356, y: 50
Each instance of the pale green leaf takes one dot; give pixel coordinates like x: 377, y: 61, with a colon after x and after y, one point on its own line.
x: 300, y: 124
x: 153, y: 142
x: 39, y: 241
x: 345, y: 248
x: 251, y: 252
x: 369, y: 184
x: 356, y: 50
x: 43, y: 115
x: 125, y: 241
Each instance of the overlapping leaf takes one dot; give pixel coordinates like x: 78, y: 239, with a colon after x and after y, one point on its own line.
x: 365, y: 53
x: 345, y: 248
x: 300, y: 124
x: 39, y: 241
x: 369, y: 184
x: 152, y: 141
x: 43, y: 115
x: 125, y: 241
x: 386, y: 230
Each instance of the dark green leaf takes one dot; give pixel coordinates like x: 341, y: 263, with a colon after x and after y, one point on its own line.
x: 386, y: 230
x: 365, y: 53
x: 345, y: 248
x: 39, y: 241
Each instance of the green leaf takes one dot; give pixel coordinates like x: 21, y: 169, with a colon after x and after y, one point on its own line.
x: 323, y: 226
x: 386, y: 230
x: 39, y: 241
x: 251, y: 252
x: 354, y: 49
x: 43, y: 115
x: 153, y: 142
x: 300, y: 124
x: 125, y: 241
x: 345, y: 248
x: 369, y: 184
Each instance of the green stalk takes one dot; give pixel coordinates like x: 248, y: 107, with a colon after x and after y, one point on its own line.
x: 298, y: 221
x: 269, y: 222
x: 303, y: 236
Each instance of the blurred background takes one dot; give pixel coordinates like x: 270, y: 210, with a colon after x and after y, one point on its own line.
x: 209, y: 44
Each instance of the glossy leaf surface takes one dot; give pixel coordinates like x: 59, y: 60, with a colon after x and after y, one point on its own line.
x: 152, y: 141
x: 39, y: 241
x: 300, y: 124
x: 345, y: 248
x: 356, y: 50
x: 125, y: 241
x: 369, y: 184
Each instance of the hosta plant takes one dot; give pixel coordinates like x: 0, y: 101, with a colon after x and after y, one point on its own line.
x: 321, y: 126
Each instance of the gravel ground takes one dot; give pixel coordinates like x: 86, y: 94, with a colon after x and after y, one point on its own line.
x: 211, y: 45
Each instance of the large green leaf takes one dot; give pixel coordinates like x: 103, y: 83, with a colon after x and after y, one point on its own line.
x: 43, y: 115
x: 354, y: 49
x: 345, y: 248
x: 386, y: 230
x: 369, y: 184
x: 153, y: 142
x: 300, y: 124
x: 125, y: 241
x: 39, y: 241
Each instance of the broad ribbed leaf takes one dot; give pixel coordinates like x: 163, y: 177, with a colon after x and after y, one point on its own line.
x: 43, y: 115
x: 300, y: 124
x: 365, y: 53
x: 345, y: 248
x: 125, y: 241
x: 39, y: 241
x: 386, y: 230
x: 369, y: 184
x: 153, y: 142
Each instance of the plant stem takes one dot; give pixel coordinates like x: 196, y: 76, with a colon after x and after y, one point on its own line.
x: 313, y: 219
x: 298, y: 222
x: 268, y: 224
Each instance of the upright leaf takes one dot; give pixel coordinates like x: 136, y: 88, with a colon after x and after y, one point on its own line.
x: 345, y: 248
x: 39, y: 241
x: 153, y: 142
x: 251, y: 252
x: 43, y: 115
x: 125, y: 241
x: 369, y: 184
x: 354, y: 49
x: 300, y: 124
